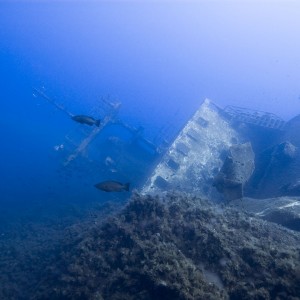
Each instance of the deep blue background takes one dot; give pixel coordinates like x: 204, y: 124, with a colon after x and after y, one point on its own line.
x: 160, y: 59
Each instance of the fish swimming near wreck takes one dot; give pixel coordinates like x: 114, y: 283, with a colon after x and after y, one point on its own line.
x: 83, y: 119
x: 112, y: 186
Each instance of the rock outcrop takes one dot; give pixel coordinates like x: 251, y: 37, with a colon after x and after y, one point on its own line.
x: 177, y: 247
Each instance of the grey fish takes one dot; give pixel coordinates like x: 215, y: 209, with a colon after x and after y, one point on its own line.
x: 86, y: 120
x: 112, y: 186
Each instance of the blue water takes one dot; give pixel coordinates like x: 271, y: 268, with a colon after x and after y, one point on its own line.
x: 160, y: 59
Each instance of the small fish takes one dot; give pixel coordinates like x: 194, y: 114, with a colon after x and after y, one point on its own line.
x: 86, y: 120
x: 112, y: 186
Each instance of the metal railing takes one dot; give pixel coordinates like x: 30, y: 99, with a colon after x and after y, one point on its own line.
x: 255, y: 117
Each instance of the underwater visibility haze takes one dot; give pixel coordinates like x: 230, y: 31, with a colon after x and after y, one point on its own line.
x: 92, y: 96
x: 160, y: 59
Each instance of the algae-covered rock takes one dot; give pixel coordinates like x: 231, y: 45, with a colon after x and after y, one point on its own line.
x: 176, y: 247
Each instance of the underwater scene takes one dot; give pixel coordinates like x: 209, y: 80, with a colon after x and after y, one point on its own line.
x: 150, y: 150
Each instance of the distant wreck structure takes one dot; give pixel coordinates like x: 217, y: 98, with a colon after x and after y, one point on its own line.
x: 102, y: 146
x: 215, y: 154
x: 220, y: 154
x: 194, y: 160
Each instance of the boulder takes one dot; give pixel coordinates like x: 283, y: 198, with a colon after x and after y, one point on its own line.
x: 235, y: 172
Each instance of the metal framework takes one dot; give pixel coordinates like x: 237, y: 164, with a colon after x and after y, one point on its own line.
x: 109, y: 112
x: 255, y: 117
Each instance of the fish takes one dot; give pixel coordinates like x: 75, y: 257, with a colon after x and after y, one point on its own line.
x: 112, y: 186
x: 83, y: 119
